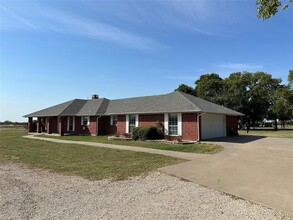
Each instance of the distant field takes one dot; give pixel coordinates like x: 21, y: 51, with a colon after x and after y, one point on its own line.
x: 89, y: 162
x: 269, y: 133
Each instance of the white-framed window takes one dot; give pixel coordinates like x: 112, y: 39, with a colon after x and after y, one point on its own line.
x: 173, y: 124
x: 85, y: 120
x: 131, y: 122
x: 113, y: 119
x: 70, y: 123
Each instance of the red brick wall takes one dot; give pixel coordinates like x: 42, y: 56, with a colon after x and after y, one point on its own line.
x: 189, y: 126
x: 151, y: 119
x: 231, y: 125
x: 78, y: 127
x: 88, y: 129
x: 92, y: 127
x: 105, y: 127
x: 52, y: 124
x: 121, y: 124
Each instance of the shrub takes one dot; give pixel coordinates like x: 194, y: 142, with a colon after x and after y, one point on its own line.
x: 160, y: 127
x: 146, y: 133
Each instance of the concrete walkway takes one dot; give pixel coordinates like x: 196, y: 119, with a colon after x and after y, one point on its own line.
x: 177, y: 154
x: 254, y: 168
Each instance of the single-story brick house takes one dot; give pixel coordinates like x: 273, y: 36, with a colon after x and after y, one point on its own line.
x: 183, y: 116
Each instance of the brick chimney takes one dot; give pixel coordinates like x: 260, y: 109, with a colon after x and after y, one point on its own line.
x: 95, y: 96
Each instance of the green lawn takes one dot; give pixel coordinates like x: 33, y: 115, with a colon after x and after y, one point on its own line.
x: 194, y: 148
x: 89, y: 162
x: 270, y: 133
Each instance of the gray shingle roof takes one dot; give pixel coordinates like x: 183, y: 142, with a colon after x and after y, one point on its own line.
x: 209, y: 107
x: 51, y: 111
x: 171, y: 102
x: 94, y: 107
x: 74, y: 107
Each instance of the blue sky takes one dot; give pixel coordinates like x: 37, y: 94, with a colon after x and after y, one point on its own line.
x: 55, y: 51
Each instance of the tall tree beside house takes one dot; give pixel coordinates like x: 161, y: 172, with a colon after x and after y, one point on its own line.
x: 235, y: 91
x: 187, y: 89
x: 290, y: 79
x: 282, y: 101
x: 262, y: 86
x: 282, y: 104
x: 268, y: 8
x: 210, y: 88
x: 249, y: 93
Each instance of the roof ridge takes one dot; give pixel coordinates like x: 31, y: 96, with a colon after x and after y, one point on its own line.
x: 188, y: 99
x: 138, y: 97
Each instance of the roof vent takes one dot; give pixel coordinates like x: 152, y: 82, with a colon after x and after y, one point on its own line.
x: 95, y: 96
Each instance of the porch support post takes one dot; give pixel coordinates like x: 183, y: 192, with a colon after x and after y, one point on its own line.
x: 39, y: 125
x: 30, y: 124
x: 49, y: 125
x: 61, y: 126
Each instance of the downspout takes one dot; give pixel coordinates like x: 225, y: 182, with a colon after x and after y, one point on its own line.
x: 97, y: 125
x: 198, y: 128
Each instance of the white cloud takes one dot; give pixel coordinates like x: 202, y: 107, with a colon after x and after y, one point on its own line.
x: 207, y: 17
x: 240, y: 66
x: 45, y: 18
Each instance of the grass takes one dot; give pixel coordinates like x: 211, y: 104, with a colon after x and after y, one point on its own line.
x: 269, y: 133
x: 86, y: 161
x: 193, y: 148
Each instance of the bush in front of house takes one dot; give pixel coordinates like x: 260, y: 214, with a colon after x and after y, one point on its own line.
x: 146, y: 133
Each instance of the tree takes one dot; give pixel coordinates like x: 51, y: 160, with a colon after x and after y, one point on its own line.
x: 187, y: 89
x: 253, y: 94
x: 290, y: 79
x: 268, y: 8
x: 209, y: 87
x: 282, y: 104
x: 260, y: 91
x: 235, y: 91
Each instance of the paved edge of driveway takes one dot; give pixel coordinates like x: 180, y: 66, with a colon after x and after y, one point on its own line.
x: 177, y: 154
x: 164, y: 170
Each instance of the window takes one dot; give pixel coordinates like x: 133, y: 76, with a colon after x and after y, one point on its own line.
x: 173, y: 124
x: 85, y: 120
x: 113, y: 120
x: 132, y: 122
x: 70, y: 124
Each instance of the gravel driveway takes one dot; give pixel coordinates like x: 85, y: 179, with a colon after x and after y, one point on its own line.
x: 36, y: 194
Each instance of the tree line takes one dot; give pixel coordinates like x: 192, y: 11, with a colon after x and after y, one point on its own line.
x: 257, y: 95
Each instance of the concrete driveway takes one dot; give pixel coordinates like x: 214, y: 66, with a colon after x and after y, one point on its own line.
x: 255, y: 168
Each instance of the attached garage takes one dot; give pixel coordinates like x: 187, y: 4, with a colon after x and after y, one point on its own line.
x: 213, y: 126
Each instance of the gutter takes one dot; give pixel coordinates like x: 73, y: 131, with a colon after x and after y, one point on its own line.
x: 198, y: 128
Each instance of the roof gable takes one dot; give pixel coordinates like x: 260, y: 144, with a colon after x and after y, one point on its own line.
x: 51, y: 111
x: 206, y: 106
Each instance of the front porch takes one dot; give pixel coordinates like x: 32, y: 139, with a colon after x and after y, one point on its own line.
x: 55, y: 125
x: 70, y: 125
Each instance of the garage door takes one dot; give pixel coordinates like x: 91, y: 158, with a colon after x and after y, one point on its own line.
x: 213, y: 125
